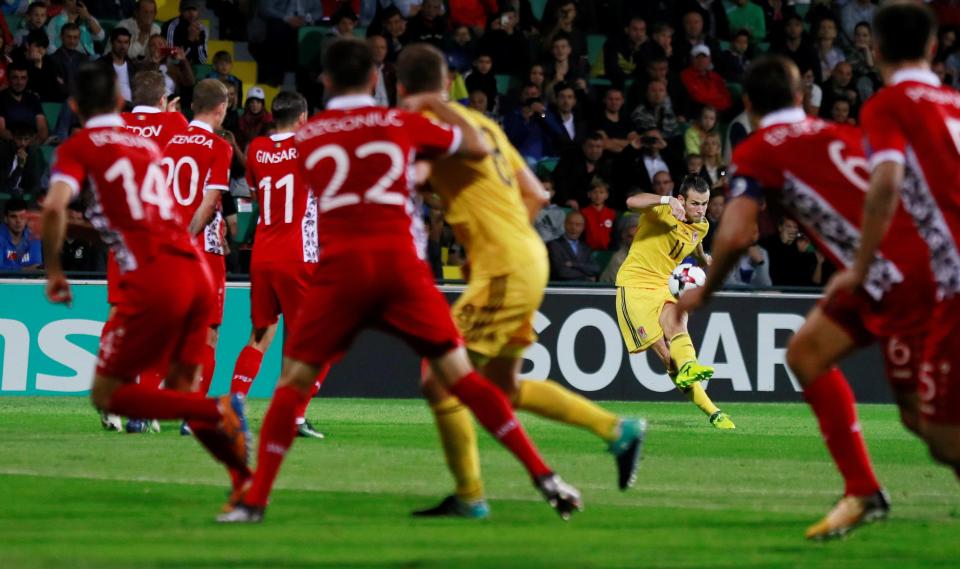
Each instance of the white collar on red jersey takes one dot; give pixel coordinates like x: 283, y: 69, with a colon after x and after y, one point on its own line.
x: 104, y: 121
x: 147, y: 109
x: 348, y: 102
x: 788, y: 115
x: 917, y: 75
x: 281, y: 136
x: 201, y: 124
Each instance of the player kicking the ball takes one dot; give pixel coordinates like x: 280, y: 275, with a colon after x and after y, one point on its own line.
x: 773, y: 166
x: 167, y: 288
x: 670, y: 230
x: 490, y: 203
x: 359, y: 157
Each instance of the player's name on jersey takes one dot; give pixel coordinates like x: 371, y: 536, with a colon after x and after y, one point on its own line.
x: 779, y: 134
x: 374, y: 118
x: 105, y: 137
x: 151, y: 131
x: 264, y: 157
x: 198, y: 139
x: 934, y: 95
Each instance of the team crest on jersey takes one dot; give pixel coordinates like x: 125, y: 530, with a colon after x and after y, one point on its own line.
x: 643, y: 333
x: 695, y: 235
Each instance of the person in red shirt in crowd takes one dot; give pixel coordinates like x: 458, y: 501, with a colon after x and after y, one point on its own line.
x: 704, y: 85
x: 472, y: 13
x: 598, y: 216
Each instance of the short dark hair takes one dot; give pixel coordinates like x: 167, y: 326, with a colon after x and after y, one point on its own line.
x: 693, y: 183
x: 564, y: 36
x: 743, y: 32
x: 903, y: 31
x: 118, y: 32
x: 14, y: 204
x: 348, y: 63
x: 287, y: 107
x: 68, y: 27
x: 95, y: 90
x: 208, y: 94
x: 562, y: 86
x: 17, y: 65
x: 37, y: 4
x: 594, y: 135
x: 420, y: 68
x: 223, y: 56
x: 771, y: 83
x: 149, y: 87
x: 38, y: 38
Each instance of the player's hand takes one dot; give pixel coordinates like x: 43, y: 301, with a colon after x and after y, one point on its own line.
x: 58, y: 289
x: 690, y: 300
x: 676, y: 208
x: 419, y: 102
x: 173, y: 105
x: 843, y: 281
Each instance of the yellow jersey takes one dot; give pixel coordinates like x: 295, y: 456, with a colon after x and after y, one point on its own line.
x: 661, y: 243
x: 483, y: 203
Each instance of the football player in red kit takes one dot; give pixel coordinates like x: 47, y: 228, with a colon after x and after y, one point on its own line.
x: 358, y: 158
x: 285, y: 247
x: 892, y: 307
x: 165, y: 312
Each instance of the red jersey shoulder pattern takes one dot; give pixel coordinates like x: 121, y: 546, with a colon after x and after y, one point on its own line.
x: 130, y: 203
x: 818, y: 173
x: 198, y: 161
x: 287, y: 225
x: 916, y: 122
x: 357, y: 158
x: 152, y: 123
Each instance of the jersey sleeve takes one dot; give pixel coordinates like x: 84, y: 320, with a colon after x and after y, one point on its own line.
x: 750, y: 173
x: 68, y: 167
x: 885, y: 141
x: 218, y: 178
x: 432, y: 138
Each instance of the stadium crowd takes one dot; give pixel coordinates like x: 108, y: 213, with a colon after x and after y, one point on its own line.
x: 603, y: 98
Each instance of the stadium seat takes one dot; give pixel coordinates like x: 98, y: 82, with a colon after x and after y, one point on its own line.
x: 503, y: 83
x: 600, y: 82
x: 47, y: 151
x: 247, y: 213
x: 201, y: 71
x: 802, y: 9
x: 546, y: 166
x: 213, y: 46
x: 311, y: 43
x: 736, y: 91
x: 602, y: 258
x: 167, y: 10
x: 13, y: 22
x: 359, y: 32
x: 52, y: 111
x: 538, y: 7
x: 452, y: 273
x: 595, y: 48
x: 246, y: 71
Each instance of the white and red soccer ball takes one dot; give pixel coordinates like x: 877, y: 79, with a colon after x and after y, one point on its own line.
x: 686, y: 277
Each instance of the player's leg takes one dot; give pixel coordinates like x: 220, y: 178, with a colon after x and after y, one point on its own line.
x: 218, y: 273
x: 682, y: 353
x: 250, y: 359
x: 696, y: 394
x: 939, y: 387
x: 812, y: 355
x: 264, y: 314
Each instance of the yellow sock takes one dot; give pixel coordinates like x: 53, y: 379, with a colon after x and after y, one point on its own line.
x: 699, y: 397
x: 550, y: 400
x: 681, y: 350
x: 459, y: 440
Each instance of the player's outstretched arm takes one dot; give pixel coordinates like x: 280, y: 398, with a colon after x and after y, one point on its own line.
x: 204, y: 213
x: 472, y: 145
x: 53, y: 232
x: 645, y: 201
x: 534, y: 196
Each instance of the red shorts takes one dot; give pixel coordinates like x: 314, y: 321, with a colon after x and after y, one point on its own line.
x: 276, y: 289
x: 939, y: 385
x: 389, y: 289
x: 218, y: 273
x: 113, y: 281
x: 165, y: 316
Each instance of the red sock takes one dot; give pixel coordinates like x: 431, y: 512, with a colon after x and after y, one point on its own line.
x: 207, y: 367
x: 246, y: 370
x: 276, y: 436
x: 132, y: 400
x: 302, y: 408
x: 833, y: 403
x: 151, y: 378
x: 492, y: 409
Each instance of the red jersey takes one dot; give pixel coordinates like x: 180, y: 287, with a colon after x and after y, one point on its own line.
x: 130, y: 204
x: 287, y: 226
x: 599, y: 226
x: 198, y: 161
x: 357, y: 158
x: 817, y: 172
x: 916, y: 122
x: 152, y: 123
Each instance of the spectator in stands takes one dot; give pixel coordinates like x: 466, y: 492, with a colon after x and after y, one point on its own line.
x: 566, y: 26
x: 662, y: 183
x: 853, y: 13
x: 506, y: 44
x: 481, y: 77
x: 20, y: 248
x: 429, y: 25
x: 827, y: 51
x: 231, y: 120
x: 791, y: 261
x: 753, y: 270
x: 623, y: 56
x: 704, y: 85
x: 223, y: 70
x: 713, y: 14
x: 628, y: 230
x: 748, y: 16
x: 42, y: 72
x: 796, y: 47
x: 715, y: 207
x: 385, y: 93
x: 656, y: 111
x: 5, y: 60
x: 640, y: 161
x: 570, y: 258
x: 472, y: 13
x: 141, y: 27
x: 256, y: 119
x: 20, y: 108
x: 76, y: 11
x: 694, y: 163
x: 394, y: 28
x: 562, y: 67
x: 616, y: 129
x: 478, y: 101
x: 36, y: 20
x: 566, y: 126
x: 188, y: 33
x: 526, y: 126
x: 459, y: 49
x: 343, y: 22
x: 776, y: 13
x: 585, y: 15
x: 550, y: 219
x: 705, y: 124
x: 840, y: 112
x: 119, y: 59
x: 577, y: 169
x: 79, y: 254
x: 598, y: 217
x: 527, y: 21
x: 693, y: 36
x: 68, y: 58
x: 863, y: 63
x: 735, y: 59
x: 662, y: 44
x: 23, y: 169
x: 714, y: 170
x: 840, y: 86
x: 812, y: 93
x: 172, y: 63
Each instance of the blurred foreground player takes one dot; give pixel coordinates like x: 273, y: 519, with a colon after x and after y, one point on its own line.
x: 892, y: 307
x: 285, y: 248
x: 912, y: 129
x: 490, y: 204
x: 358, y: 157
x: 166, y: 287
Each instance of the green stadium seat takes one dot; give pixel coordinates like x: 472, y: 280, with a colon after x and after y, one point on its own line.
x: 201, y: 71
x: 247, y: 221
x: 762, y: 47
x: 359, y: 32
x: 503, y: 83
x: 47, y: 151
x: 546, y: 166
x: 736, y: 91
x: 595, y: 47
x: 538, y: 7
x: 52, y: 111
x: 310, y: 43
x: 600, y: 82
x: 13, y: 22
x: 602, y: 258
x: 802, y: 9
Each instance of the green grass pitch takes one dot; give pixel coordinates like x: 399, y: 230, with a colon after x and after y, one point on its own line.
x: 72, y: 495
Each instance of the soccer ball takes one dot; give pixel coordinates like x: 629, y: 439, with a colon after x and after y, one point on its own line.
x: 685, y: 277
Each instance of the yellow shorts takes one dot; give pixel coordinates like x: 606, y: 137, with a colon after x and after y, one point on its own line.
x: 638, y: 312
x: 495, y: 315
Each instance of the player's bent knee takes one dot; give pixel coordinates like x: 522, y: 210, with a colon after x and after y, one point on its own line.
x: 102, y: 391
x: 803, y: 358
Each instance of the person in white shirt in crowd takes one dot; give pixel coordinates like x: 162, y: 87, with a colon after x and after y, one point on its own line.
x: 141, y: 27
